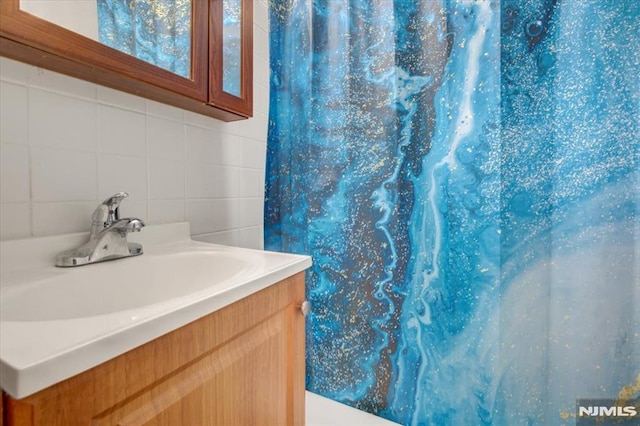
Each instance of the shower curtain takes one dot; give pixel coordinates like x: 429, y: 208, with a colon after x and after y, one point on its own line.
x: 466, y: 176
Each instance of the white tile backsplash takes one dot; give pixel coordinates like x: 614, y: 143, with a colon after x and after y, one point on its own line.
x: 13, y: 113
x: 202, y: 145
x: 61, y: 121
x: 67, y: 144
x: 62, y: 175
x: 258, y: 128
x: 52, y: 81
x: 251, y: 183
x: 261, y: 99
x: 201, y: 181
x: 230, y: 150
x: 228, y: 181
x: 165, y: 139
x: 122, y: 131
x: 253, y: 154
x: 14, y: 163
x: 169, y: 112
x: 260, y: 61
x: 167, y: 211
x: 199, y: 120
x: 14, y: 71
x: 122, y: 173
x: 202, y: 216
x: 227, y: 214
x: 228, y: 238
x: 166, y: 180
x: 119, y: 99
x: 46, y: 217
x: 135, y: 208
x: 251, y: 212
x: 260, y: 41
x: 15, y: 220
x: 250, y: 237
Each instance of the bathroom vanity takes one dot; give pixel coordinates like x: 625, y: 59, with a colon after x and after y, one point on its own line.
x: 230, y: 352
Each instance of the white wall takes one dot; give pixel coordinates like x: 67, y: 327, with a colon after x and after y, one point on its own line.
x: 67, y: 144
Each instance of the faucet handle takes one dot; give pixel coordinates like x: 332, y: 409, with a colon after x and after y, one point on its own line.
x: 108, y: 211
x: 113, y: 204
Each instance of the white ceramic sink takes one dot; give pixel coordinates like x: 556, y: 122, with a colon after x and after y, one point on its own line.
x: 58, y: 322
x: 121, y: 285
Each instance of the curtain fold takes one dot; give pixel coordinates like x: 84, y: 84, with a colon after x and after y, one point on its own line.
x: 466, y: 177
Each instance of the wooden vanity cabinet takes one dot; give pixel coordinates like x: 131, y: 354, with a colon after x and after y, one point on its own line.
x: 242, y: 365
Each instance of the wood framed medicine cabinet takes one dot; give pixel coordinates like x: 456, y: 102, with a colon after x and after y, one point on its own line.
x: 31, y: 39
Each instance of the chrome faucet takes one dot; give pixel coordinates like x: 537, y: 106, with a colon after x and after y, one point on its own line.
x: 108, y: 236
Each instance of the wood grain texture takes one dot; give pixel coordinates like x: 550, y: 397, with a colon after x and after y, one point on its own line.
x: 242, y: 365
x: 30, y: 39
x: 17, y: 413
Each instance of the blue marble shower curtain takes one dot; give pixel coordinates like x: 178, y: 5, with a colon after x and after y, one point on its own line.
x: 155, y: 31
x: 466, y: 176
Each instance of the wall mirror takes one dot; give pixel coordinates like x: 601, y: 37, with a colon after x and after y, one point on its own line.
x: 194, y: 54
x: 155, y: 31
x: 232, y: 46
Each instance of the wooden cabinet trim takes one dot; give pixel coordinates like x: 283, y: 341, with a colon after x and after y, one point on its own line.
x: 23, y: 53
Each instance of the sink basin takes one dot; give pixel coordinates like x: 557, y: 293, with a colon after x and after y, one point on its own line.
x: 120, y: 285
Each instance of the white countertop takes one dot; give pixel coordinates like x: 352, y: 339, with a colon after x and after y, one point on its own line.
x: 39, y: 351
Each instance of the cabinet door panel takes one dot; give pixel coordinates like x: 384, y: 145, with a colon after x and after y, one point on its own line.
x: 216, y: 390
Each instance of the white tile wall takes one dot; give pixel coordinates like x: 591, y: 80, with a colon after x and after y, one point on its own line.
x: 61, y: 121
x: 62, y: 175
x: 66, y: 144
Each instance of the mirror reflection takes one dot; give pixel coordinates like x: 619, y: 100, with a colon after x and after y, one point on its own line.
x: 79, y: 16
x: 232, y: 47
x: 155, y: 31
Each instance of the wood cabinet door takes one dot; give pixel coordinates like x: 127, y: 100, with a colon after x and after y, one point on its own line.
x: 244, y: 382
x: 253, y: 375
